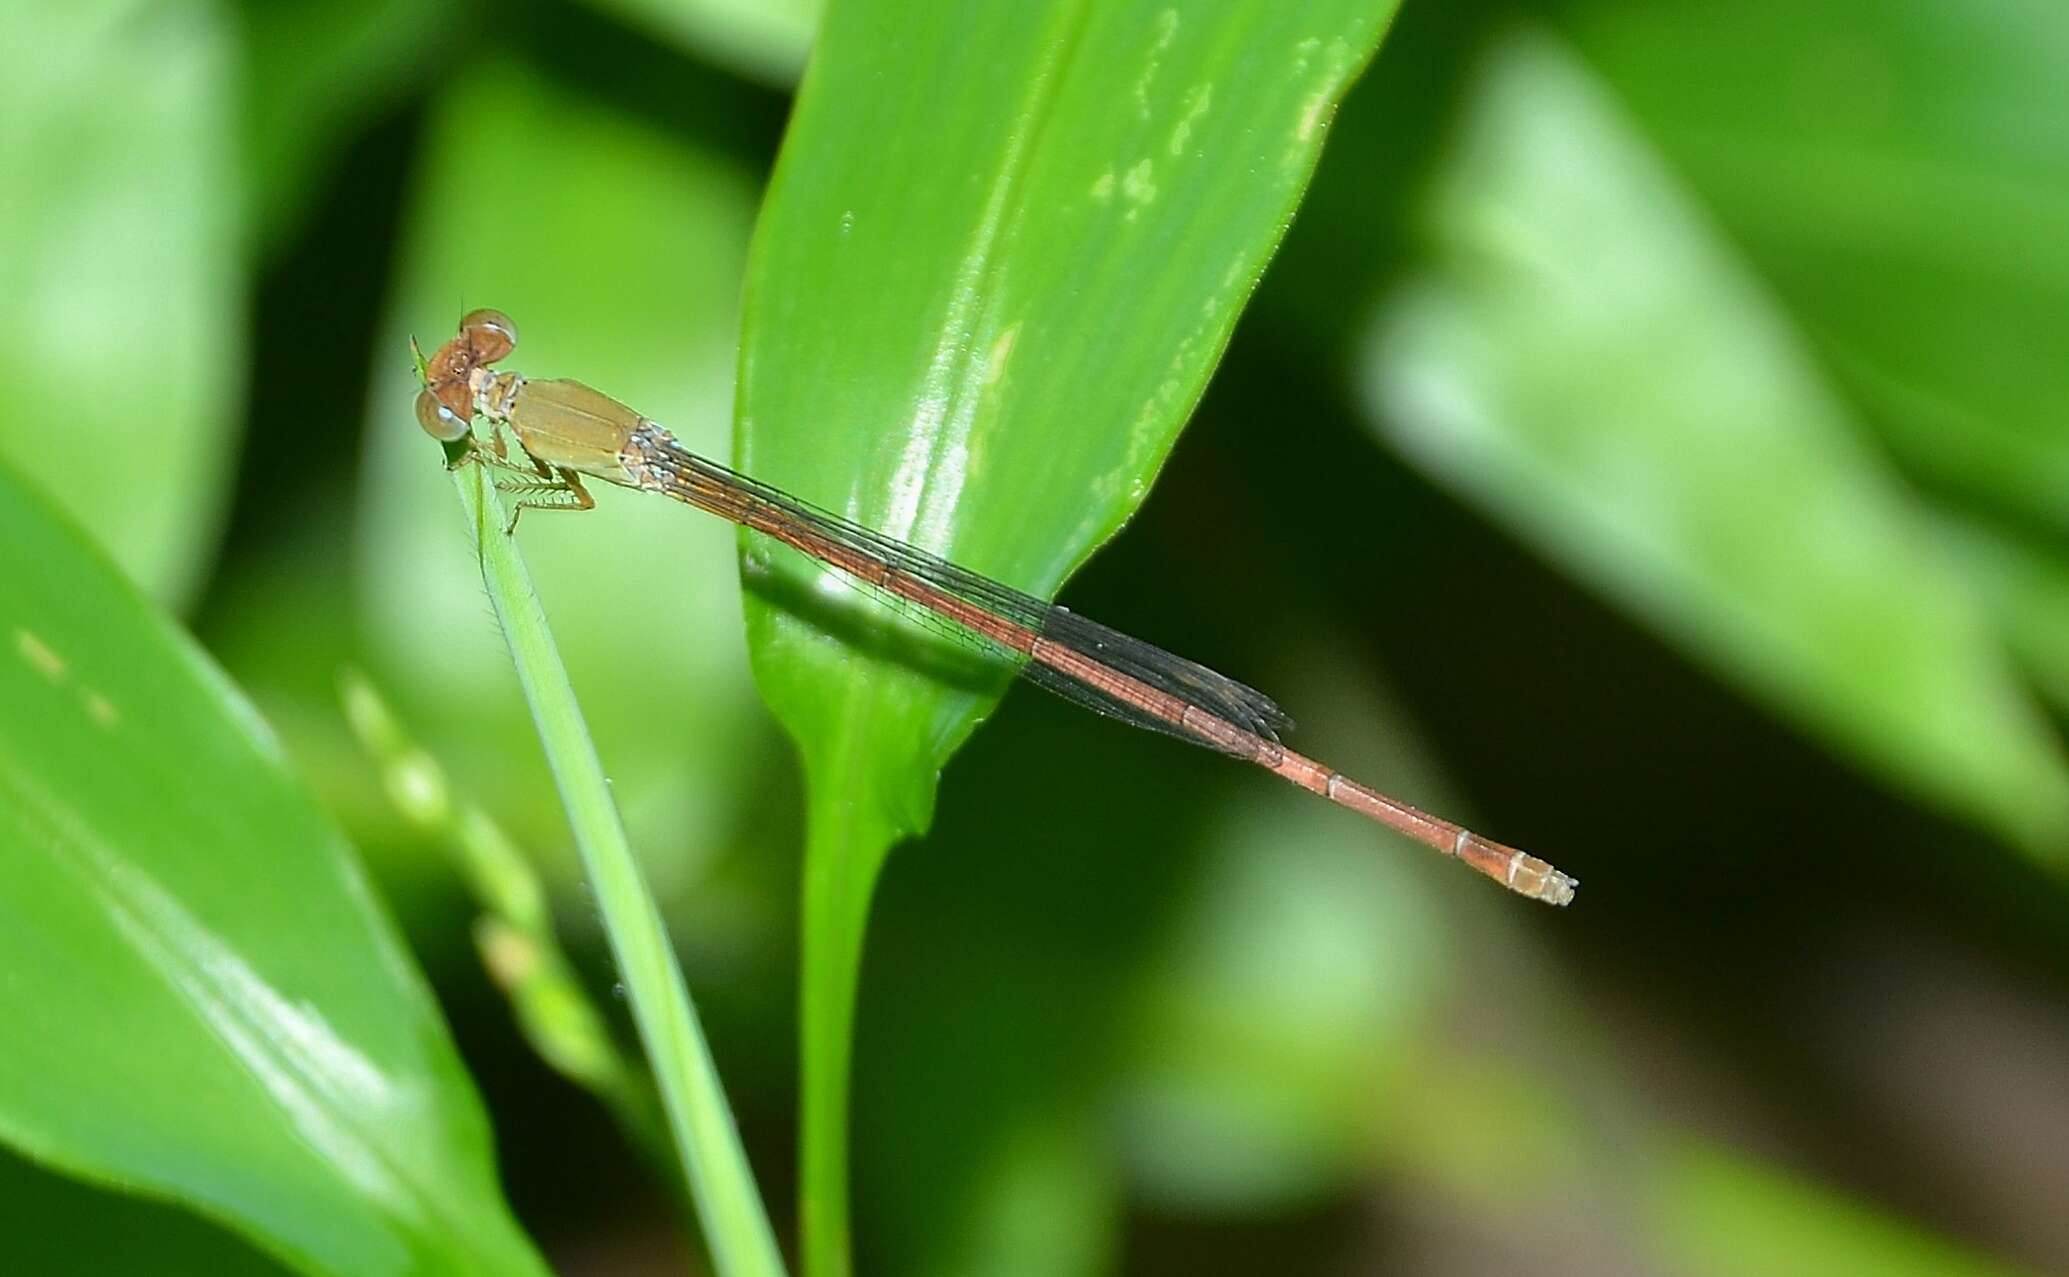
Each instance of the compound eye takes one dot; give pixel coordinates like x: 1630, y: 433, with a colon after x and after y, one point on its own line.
x: 439, y: 421
x: 489, y: 333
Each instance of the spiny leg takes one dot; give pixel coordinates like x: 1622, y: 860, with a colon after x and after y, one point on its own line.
x: 561, y: 489
x: 539, y: 487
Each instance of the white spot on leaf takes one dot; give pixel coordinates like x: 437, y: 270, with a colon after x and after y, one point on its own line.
x: 38, y: 655
x: 1167, y: 30
x: 1196, y: 103
x: 1328, y: 86
x: 995, y: 361
x: 101, y: 710
x: 1138, y: 186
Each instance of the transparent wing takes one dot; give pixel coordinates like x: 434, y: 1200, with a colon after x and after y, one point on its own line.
x: 700, y: 482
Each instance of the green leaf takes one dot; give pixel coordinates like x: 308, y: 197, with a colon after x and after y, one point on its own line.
x: 120, y: 292
x: 1003, y: 248
x: 1590, y: 361
x: 207, y: 1004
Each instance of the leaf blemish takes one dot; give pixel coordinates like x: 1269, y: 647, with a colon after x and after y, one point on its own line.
x: 1137, y: 186
x: 1336, y: 64
x: 1103, y: 189
x: 101, y: 710
x: 995, y: 361
x: 1167, y: 30
x: 1196, y: 103
x: 37, y: 654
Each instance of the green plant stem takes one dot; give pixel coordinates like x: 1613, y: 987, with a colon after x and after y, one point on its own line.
x: 721, y: 1185
x: 838, y: 877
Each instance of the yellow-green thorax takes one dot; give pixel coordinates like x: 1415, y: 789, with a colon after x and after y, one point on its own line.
x: 562, y: 423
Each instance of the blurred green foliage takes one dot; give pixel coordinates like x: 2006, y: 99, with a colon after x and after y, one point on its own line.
x: 1648, y: 440
x: 120, y: 338
x: 1572, y: 289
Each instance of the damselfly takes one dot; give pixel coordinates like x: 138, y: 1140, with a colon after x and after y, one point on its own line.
x: 566, y: 431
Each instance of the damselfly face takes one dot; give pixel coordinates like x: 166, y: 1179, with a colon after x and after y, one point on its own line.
x: 445, y: 408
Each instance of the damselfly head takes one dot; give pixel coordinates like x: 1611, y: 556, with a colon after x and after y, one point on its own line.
x: 489, y: 335
x: 445, y: 408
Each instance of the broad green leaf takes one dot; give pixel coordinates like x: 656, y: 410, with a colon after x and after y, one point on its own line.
x: 1900, y: 176
x: 1586, y: 358
x: 766, y: 39
x: 204, y: 1002
x: 120, y: 293
x: 1003, y: 248
x: 620, y: 264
